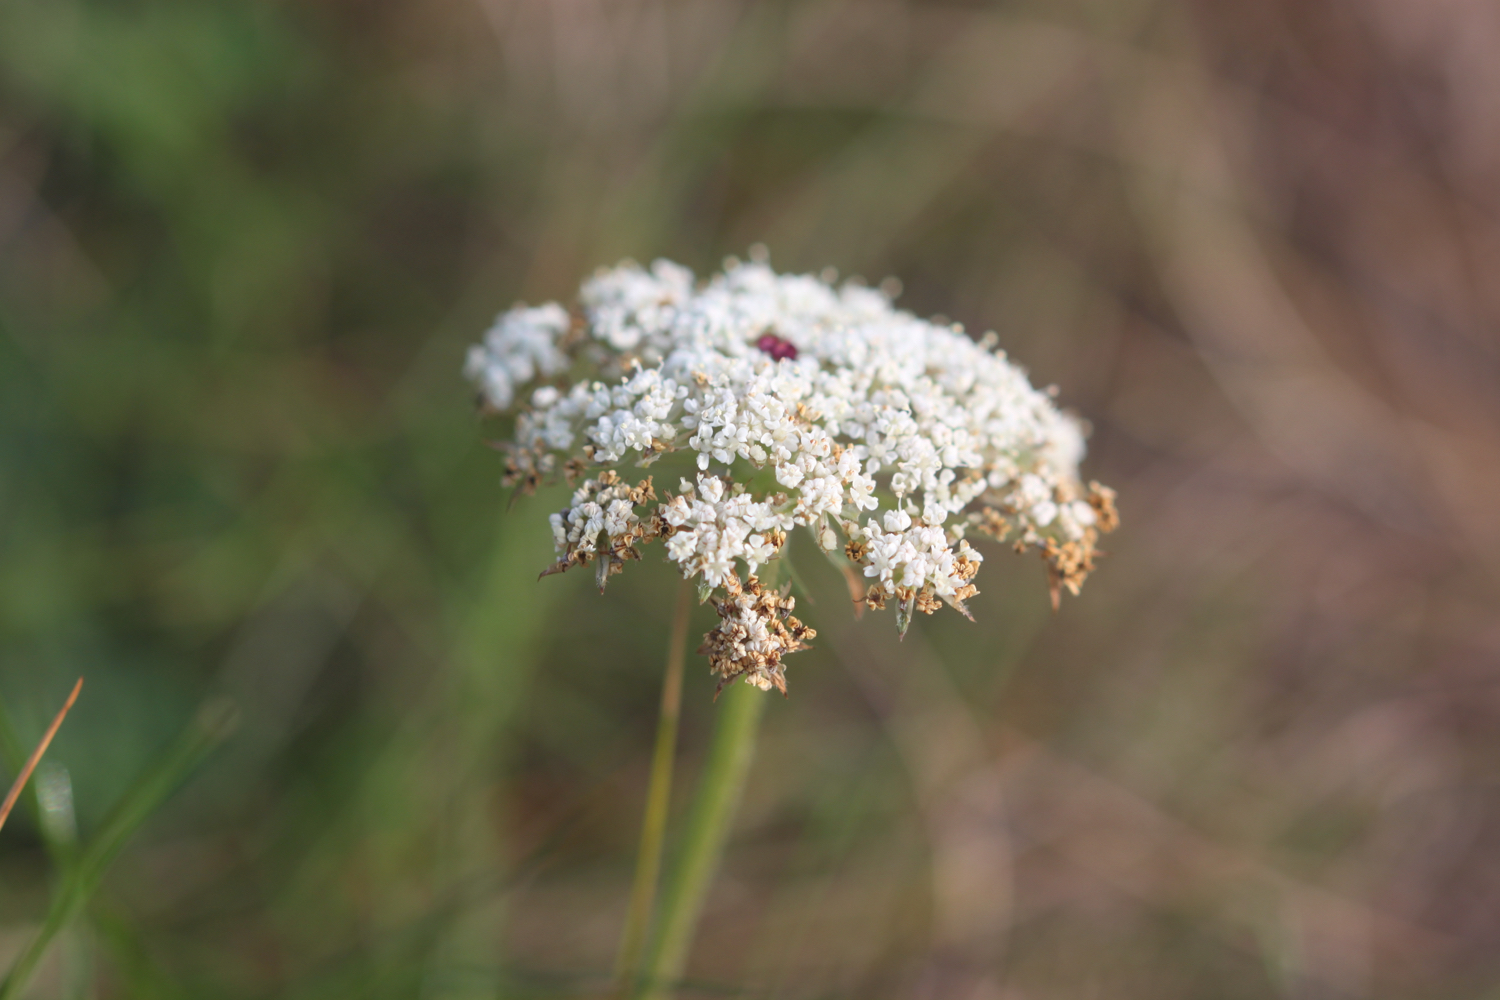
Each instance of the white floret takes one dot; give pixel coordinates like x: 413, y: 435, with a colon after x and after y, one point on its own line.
x: 521, y: 346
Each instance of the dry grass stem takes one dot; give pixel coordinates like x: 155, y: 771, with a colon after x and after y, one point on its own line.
x: 14, y: 794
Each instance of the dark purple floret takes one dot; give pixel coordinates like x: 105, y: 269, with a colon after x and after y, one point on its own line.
x: 781, y: 350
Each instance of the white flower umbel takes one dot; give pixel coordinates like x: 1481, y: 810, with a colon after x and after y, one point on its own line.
x: 796, y: 403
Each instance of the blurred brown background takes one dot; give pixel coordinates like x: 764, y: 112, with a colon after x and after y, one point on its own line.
x: 243, y: 245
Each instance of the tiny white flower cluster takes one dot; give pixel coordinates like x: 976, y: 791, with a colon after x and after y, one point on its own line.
x: 800, y: 403
x: 605, y: 505
x: 714, y: 525
x: 910, y: 556
x: 522, y: 345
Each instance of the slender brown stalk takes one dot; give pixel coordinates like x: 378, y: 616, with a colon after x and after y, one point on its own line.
x: 658, y: 801
x: 36, y: 756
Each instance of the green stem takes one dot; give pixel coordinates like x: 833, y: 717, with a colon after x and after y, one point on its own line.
x: 658, y: 801
x: 714, y: 807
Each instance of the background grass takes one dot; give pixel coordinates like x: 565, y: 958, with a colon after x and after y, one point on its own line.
x: 243, y: 246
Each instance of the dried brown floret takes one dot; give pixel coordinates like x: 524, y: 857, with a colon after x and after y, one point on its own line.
x: 525, y: 468
x: 965, y: 569
x: 927, y: 601
x: 989, y: 521
x: 655, y: 450
x: 1102, y: 499
x: 756, y: 629
x: 1070, y: 563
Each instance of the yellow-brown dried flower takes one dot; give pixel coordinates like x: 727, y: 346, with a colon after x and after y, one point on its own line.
x: 756, y: 629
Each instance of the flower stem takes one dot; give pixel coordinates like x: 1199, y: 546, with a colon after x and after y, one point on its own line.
x: 714, y: 807
x: 658, y: 800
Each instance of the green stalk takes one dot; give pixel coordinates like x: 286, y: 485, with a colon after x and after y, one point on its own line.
x: 718, y: 798
x: 658, y: 801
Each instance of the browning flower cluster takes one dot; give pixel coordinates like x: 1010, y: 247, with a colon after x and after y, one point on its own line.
x: 602, y: 524
x: 1070, y: 562
x: 793, y: 403
x: 756, y: 629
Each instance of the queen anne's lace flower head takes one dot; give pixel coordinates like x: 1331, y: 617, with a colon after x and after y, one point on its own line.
x: 797, y: 403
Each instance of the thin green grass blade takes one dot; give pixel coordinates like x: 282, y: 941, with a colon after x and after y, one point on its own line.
x: 713, y: 812
x: 213, y: 723
x: 658, y: 802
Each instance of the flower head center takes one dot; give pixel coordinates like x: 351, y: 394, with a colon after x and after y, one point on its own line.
x: 781, y: 350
